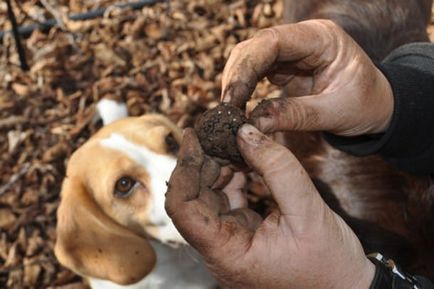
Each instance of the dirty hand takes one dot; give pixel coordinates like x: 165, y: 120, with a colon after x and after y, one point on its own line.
x: 301, y: 244
x: 338, y: 87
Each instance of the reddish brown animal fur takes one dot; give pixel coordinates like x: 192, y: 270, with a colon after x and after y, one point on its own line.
x: 391, y: 211
x: 378, y: 26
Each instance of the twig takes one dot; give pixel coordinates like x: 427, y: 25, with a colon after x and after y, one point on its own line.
x: 12, y: 120
x: 26, y: 15
x: 55, y: 13
x: 21, y: 266
x: 15, y: 177
x: 20, y: 50
x: 98, y: 12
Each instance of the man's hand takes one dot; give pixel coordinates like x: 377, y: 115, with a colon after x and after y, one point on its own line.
x: 301, y: 244
x: 340, y: 89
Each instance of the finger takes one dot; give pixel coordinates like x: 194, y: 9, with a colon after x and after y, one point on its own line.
x: 256, y: 186
x: 246, y: 65
x: 308, y: 45
x: 300, y: 85
x: 209, y: 172
x: 282, y: 73
x: 279, y: 79
x: 214, y: 199
x: 309, y: 113
x: 198, y: 223
x: 186, y: 176
x: 195, y: 212
x: 235, y: 191
x: 296, y: 82
x: 289, y: 183
x: 226, y: 174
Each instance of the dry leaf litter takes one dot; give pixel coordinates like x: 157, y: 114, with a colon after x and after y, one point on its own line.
x: 165, y: 58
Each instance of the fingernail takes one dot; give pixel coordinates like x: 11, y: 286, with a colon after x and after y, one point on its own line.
x: 185, y: 132
x: 226, y: 98
x: 264, y: 124
x: 250, y: 135
x: 226, y: 95
x: 247, y: 129
x: 190, y: 147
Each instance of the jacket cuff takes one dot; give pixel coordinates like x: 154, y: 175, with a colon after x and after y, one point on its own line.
x: 406, y: 143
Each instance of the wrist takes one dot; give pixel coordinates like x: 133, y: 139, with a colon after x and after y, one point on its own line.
x: 360, y: 278
x: 367, y: 276
x: 385, y: 105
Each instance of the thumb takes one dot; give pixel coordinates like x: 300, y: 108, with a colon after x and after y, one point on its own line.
x: 293, y: 113
x: 289, y: 183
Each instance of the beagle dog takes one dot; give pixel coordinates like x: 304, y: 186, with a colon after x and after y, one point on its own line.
x: 112, y: 226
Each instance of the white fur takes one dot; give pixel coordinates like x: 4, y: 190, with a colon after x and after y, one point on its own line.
x: 110, y: 110
x: 160, y: 168
x: 178, y: 268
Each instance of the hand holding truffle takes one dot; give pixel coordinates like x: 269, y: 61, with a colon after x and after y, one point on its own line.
x: 338, y: 87
x: 301, y: 244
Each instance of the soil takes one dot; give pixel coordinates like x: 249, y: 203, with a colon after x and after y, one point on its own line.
x: 217, y: 131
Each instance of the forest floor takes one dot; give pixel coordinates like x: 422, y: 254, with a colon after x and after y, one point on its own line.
x: 165, y: 58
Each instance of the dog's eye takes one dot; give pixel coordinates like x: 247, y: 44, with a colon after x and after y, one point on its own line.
x: 171, y: 143
x: 124, y: 186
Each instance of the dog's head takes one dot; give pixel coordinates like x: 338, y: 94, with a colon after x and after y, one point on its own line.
x: 112, y: 199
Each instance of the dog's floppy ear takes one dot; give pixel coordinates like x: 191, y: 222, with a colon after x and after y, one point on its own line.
x: 93, y: 245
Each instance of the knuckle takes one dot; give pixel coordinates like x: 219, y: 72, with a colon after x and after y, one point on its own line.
x: 328, y: 23
x: 324, y: 27
x: 325, y: 24
x: 236, y: 49
x: 270, y: 36
x: 298, y: 114
x: 265, y: 108
x: 239, y: 47
x: 288, y: 113
x: 190, y: 161
x: 170, y: 208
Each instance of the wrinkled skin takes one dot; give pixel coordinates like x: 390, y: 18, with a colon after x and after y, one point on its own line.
x: 301, y: 244
x: 334, y: 84
x: 334, y: 87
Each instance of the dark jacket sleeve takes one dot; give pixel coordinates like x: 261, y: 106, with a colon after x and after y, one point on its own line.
x: 408, y: 143
x: 425, y: 283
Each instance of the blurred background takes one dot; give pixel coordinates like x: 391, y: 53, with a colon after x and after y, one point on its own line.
x: 163, y: 57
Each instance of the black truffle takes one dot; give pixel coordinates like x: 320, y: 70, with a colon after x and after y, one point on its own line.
x: 217, y: 131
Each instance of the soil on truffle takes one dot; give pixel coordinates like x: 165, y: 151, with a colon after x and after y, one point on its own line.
x: 217, y: 130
